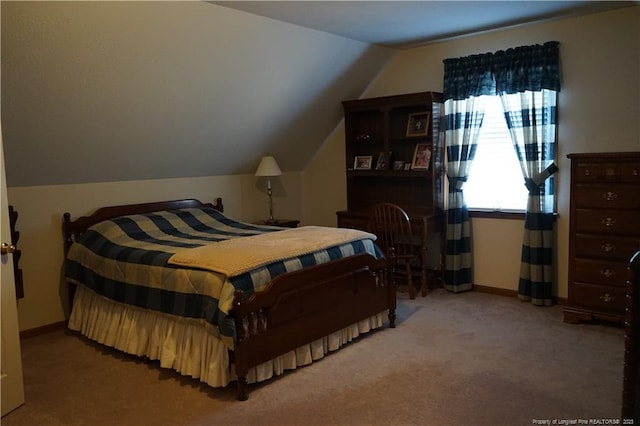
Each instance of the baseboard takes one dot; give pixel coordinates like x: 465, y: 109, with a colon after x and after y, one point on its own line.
x: 33, y: 332
x: 562, y: 301
x: 495, y: 290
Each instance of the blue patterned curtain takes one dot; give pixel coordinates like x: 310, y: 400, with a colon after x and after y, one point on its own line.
x: 527, y: 80
x: 466, y: 80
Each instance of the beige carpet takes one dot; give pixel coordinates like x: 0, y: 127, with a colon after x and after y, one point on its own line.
x: 466, y: 359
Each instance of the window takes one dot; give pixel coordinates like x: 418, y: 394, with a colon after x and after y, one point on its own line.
x: 495, y: 179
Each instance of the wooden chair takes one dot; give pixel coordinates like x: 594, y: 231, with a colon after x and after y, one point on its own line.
x: 391, y: 224
x: 631, y: 381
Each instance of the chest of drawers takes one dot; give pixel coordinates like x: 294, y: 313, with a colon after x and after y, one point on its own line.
x: 604, y: 233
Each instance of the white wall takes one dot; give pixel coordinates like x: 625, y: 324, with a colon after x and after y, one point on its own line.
x: 40, y: 210
x: 598, y: 111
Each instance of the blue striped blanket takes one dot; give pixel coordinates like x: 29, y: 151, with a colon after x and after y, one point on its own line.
x: 127, y: 260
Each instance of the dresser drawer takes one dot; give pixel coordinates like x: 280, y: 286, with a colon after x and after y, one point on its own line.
x: 599, y: 297
x: 605, y: 246
x: 605, y: 272
x: 597, y: 171
x: 606, y: 195
x: 607, y: 221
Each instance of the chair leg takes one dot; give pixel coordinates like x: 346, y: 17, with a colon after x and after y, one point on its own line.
x: 412, y: 289
x: 424, y: 287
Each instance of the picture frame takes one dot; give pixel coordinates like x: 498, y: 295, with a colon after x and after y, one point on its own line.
x: 421, y: 157
x: 362, y: 162
x: 383, y: 161
x: 418, y: 124
x: 398, y: 165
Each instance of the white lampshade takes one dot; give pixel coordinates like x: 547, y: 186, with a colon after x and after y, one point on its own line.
x: 268, y: 167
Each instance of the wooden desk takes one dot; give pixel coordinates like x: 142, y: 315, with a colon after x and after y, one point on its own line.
x: 422, y: 224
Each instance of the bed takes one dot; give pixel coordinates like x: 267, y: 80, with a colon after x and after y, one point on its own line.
x: 182, y: 283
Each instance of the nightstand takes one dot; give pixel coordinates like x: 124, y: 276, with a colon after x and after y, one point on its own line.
x: 283, y: 223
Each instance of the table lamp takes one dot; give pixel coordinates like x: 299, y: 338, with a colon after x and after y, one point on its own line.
x: 268, y: 167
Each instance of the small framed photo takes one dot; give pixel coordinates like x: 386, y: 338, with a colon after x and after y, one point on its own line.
x: 407, y: 166
x: 398, y: 165
x: 421, y: 157
x: 418, y: 124
x: 362, y: 162
x: 383, y: 161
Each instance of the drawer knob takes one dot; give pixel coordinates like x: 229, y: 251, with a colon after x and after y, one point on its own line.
x: 635, y: 172
x: 610, y: 196
x: 609, y: 222
x: 607, y: 298
x: 608, y: 247
x: 607, y: 273
x: 587, y: 172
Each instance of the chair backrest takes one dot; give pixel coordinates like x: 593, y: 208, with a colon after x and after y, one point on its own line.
x: 390, y: 223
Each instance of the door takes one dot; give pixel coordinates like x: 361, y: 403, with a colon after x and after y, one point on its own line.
x: 10, y: 359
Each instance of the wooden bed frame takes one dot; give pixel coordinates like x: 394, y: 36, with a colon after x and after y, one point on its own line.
x: 295, y: 309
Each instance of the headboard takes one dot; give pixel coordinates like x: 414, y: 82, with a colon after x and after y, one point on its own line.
x: 631, y: 381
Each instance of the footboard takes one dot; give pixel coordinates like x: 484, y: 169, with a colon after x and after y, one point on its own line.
x: 302, y: 306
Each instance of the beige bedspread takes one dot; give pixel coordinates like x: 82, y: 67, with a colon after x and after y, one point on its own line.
x: 239, y: 255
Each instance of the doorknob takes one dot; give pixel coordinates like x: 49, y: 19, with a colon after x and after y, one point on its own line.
x: 7, y: 248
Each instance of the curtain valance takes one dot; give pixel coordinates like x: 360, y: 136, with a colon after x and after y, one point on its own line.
x: 508, y: 71
x: 468, y: 76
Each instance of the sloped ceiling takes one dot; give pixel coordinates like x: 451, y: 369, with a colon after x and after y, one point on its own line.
x: 405, y: 24
x: 116, y: 91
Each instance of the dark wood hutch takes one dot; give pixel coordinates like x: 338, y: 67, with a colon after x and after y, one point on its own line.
x: 395, y: 127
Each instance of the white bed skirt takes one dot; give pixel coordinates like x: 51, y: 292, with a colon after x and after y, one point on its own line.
x: 190, y: 347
